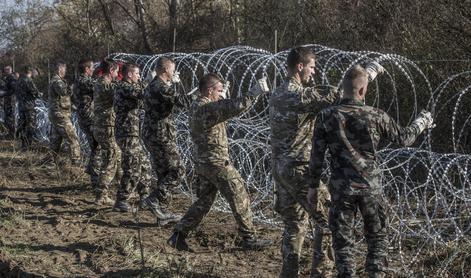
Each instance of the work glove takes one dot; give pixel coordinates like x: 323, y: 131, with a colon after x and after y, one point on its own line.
x: 373, y: 69
x: 176, y: 77
x: 424, y: 120
x: 261, y: 87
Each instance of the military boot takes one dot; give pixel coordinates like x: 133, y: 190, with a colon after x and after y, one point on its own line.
x: 163, y: 217
x: 253, y: 243
x: 177, y: 241
x: 141, y: 201
x: 121, y: 206
x: 103, y: 199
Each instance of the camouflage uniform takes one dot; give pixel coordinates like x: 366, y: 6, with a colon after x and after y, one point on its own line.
x: 104, y: 134
x: 9, y: 102
x: 60, y: 112
x: 135, y: 163
x: 83, y: 96
x: 351, y: 132
x: 27, y: 93
x: 159, y: 136
x: 215, y: 173
x: 292, y: 113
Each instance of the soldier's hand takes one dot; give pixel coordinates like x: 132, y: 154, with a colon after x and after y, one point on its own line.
x: 424, y: 120
x: 312, y: 197
x: 373, y: 69
x: 261, y: 87
x: 176, y: 77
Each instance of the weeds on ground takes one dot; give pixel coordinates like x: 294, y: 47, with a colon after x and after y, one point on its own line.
x: 10, y: 218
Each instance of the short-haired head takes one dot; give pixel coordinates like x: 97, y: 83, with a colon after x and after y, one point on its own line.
x: 108, y: 66
x: 354, y: 81
x: 28, y: 69
x: 84, y: 64
x: 129, y: 67
x: 8, y: 69
x: 163, y: 63
x: 60, y: 64
x: 300, y: 54
x: 207, y: 81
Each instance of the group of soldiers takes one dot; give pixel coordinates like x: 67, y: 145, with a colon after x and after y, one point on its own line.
x: 306, y: 122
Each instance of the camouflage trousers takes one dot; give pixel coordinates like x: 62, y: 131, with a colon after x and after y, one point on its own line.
x: 26, y: 129
x: 63, y: 130
x: 93, y: 162
x: 166, y: 165
x: 135, y: 167
x: 9, y: 114
x: 291, y: 187
x: 110, y: 155
x: 341, y: 221
x: 226, y: 180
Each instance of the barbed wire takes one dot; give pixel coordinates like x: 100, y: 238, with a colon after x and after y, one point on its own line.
x: 427, y: 192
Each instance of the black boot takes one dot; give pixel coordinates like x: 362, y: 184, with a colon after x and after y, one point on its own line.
x: 141, y: 201
x: 163, y: 217
x: 122, y: 206
x: 253, y: 243
x: 178, y: 242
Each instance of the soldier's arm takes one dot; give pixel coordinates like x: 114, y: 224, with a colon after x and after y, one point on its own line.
x: 60, y: 89
x: 319, y: 147
x: 8, y: 86
x: 3, y: 88
x: 11, y: 85
x: 168, y: 93
x: 132, y: 91
x: 33, y: 90
x: 88, y: 83
x: 313, y: 98
x: 395, y: 133
x: 213, y: 113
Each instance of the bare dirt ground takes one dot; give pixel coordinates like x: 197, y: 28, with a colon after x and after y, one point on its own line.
x: 49, y: 227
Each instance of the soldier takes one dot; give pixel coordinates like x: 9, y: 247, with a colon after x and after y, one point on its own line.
x: 27, y: 93
x: 293, y: 107
x: 9, y: 100
x: 159, y: 135
x: 135, y: 163
x: 215, y: 173
x: 351, y: 131
x: 104, y: 131
x: 60, y: 112
x: 83, y: 96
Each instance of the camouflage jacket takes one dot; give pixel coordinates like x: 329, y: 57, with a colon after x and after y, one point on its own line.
x: 293, y: 109
x: 208, y: 128
x: 103, y: 96
x: 59, y: 96
x: 26, y: 92
x: 159, y: 101
x: 83, y: 96
x: 127, y: 102
x: 351, y: 131
x: 9, y: 84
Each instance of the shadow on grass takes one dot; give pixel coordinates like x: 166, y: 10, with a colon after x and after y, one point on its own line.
x: 55, y: 190
x: 156, y: 273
